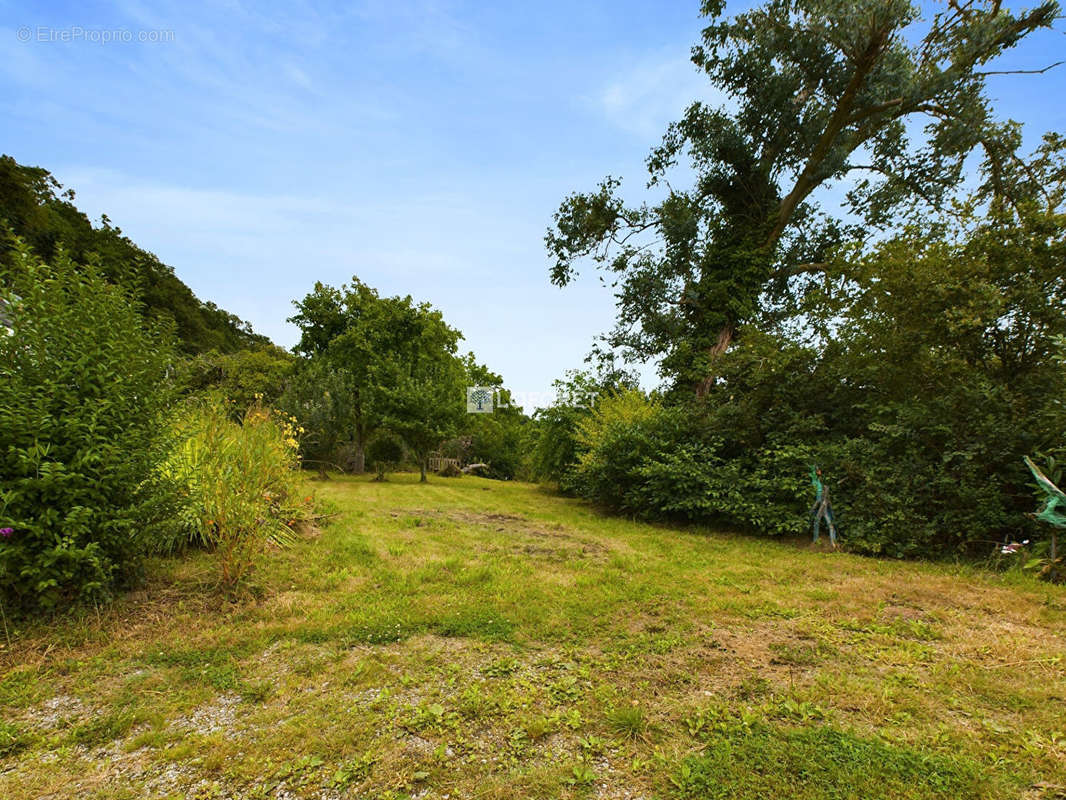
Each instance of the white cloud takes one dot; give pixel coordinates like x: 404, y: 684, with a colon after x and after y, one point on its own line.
x: 646, y: 97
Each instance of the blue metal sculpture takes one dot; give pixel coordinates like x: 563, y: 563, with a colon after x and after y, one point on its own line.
x: 822, y: 509
x: 1054, y: 497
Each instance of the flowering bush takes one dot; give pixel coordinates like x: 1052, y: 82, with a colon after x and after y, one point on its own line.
x: 238, y: 482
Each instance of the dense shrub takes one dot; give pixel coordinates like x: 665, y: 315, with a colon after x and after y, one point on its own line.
x: 258, y: 374
x: 82, y: 388
x: 498, y: 440
x: 613, y: 442
x: 768, y: 491
x: 933, y: 473
x: 552, y: 442
x: 384, y: 453
x: 320, y: 397
x: 555, y: 449
x: 667, y: 462
x: 241, y: 485
x: 933, y: 369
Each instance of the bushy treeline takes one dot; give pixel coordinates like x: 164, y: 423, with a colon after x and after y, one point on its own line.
x: 371, y: 374
x: 373, y: 371
x: 915, y: 370
x: 36, y: 208
x: 916, y: 375
x: 103, y: 460
x: 106, y: 451
x: 114, y: 444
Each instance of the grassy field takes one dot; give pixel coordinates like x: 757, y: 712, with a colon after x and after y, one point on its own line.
x: 470, y: 638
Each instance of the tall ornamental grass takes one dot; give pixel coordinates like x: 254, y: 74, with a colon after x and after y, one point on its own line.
x: 240, y: 486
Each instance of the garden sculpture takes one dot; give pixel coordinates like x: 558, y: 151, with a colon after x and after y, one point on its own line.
x: 1050, y: 513
x: 822, y: 509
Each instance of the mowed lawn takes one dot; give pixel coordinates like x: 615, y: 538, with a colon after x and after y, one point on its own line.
x: 471, y: 638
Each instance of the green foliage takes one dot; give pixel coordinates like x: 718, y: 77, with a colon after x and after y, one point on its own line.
x: 241, y: 483
x: 397, y: 362
x: 246, y: 377
x: 43, y: 215
x: 933, y: 372
x: 944, y: 379
x: 342, y: 333
x: 554, y: 437
x: 554, y: 450
x: 613, y: 441
x: 499, y: 440
x: 816, y: 91
x: 320, y: 395
x: 663, y: 462
x: 581, y: 775
x: 82, y: 391
x: 384, y: 453
x: 424, y: 398
x: 379, y: 364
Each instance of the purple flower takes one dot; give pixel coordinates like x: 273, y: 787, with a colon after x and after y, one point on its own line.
x: 6, y: 532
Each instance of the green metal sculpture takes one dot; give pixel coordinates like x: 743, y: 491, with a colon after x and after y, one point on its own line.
x: 1050, y: 513
x: 822, y: 509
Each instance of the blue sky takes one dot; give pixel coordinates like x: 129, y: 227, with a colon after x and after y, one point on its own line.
x: 422, y: 146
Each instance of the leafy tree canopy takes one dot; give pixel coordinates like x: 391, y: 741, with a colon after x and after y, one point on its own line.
x: 400, y: 359
x: 816, y: 91
x: 35, y: 207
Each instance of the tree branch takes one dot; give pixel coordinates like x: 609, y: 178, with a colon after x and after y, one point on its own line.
x: 836, y: 123
x: 869, y: 112
x: 1022, y: 71
x: 914, y: 187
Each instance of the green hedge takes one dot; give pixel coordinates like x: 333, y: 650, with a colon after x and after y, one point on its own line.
x: 82, y: 387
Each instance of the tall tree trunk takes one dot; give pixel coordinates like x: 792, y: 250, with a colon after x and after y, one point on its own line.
x: 422, y: 463
x: 725, y: 338
x: 359, y: 458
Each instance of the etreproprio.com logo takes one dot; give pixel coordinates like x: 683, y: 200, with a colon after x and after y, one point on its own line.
x: 77, y: 33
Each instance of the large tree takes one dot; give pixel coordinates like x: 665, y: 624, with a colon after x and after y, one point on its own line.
x: 341, y: 332
x: 421, y: 378
x: 816, y: 92
x: 398, y: 359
